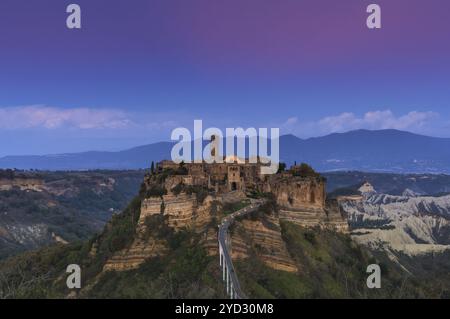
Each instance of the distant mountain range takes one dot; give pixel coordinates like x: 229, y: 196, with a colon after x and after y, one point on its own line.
x: 364, y: 150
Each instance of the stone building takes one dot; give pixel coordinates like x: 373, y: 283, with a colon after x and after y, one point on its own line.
x: 223, y: 177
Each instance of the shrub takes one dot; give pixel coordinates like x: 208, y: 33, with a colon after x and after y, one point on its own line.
x: 155, y: 191
x: 304, y: 170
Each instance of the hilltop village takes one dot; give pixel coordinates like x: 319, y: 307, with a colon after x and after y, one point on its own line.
x: 196, y: 196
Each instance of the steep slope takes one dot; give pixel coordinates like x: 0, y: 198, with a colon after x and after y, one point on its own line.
x: 331, y: 265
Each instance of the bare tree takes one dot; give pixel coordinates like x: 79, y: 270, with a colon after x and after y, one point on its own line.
x: 13, y: 283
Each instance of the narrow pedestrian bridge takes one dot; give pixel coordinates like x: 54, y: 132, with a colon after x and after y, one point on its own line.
x: 230, y: 278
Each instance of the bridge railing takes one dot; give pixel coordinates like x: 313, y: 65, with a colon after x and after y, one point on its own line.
x: 229, y: 274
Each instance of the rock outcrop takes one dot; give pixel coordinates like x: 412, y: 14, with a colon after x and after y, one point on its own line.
x: 264, y: 239
x: 297, y: 193
x: 142, y: 248
x: 23, y: 184
x: 303, y: 202
x: 413, y: 225
x: 188, y: 197
x: 180, y: 211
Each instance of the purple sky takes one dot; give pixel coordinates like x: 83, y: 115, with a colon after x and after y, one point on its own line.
x: 139, y: 68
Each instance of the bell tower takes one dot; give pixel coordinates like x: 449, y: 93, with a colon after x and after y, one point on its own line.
x: 215, y: 149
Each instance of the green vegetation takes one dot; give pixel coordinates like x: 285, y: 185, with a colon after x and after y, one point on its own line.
x: 304, y: 170
x: 281, y: 168
x: 157, y: 226
x: 332, y: 266
x: 152, y: 191
x: 186, y: 272
x: 122, y: 229
x: 200, y: 192
x: 13, y: 173
x: 73, y: 205
x: 152, y: 168
x: 268, y: 208
x: 267, y: 283
x: 359, y: 222
x: 229, y: 208
x: 33, y: 274
x: 345, y: 191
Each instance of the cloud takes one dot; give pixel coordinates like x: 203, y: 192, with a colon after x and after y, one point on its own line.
x: 291, y: 121
x: 374, y: 120
x: 38, y: 116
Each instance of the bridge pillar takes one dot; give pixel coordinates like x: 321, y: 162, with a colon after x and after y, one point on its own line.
x: 228, y: 282
x: 224, y: 271
x: 231, y: 291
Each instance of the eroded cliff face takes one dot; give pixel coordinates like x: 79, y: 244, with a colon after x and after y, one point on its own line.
x: 303, y: 201
x: 142, y: 248
x: 414, y: 225
x: 299, y: 193
x: 261, y: 238
x: 180, y: 211
x: 299, y: 199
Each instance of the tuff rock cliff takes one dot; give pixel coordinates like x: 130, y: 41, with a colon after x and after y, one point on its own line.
x: 173, y: 197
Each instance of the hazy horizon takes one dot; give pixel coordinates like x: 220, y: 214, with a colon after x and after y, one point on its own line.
x: 169, y: 141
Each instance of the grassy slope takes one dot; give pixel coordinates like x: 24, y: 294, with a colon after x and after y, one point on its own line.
x: 331, y: 266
